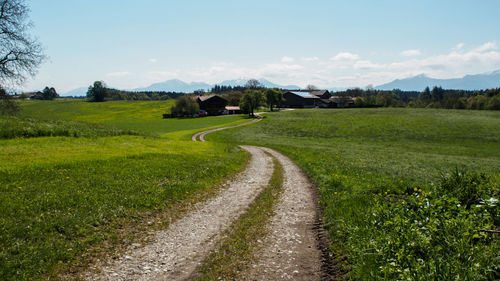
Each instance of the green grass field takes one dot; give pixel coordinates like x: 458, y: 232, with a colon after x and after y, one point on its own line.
x: 89, y: 171
x: 382, y: 174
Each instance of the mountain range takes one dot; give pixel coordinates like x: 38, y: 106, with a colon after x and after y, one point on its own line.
x: 468, y: 82
x: 415, y: 83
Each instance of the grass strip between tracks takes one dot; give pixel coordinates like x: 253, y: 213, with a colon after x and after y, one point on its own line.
x: 241, y: 240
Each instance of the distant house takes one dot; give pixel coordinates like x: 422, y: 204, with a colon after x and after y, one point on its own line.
x: 341, y: 101
x: 32, y: 95
x: 232, y: 110
x: 212, y: 104
x: 306, y: 99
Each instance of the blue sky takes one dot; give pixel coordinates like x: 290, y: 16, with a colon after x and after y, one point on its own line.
x: 129, y: 44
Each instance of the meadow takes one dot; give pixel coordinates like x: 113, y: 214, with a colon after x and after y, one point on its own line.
x: 407, y: 194
x: 88, y: 173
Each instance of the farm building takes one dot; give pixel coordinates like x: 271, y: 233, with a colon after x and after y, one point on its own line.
x: 305, y: 99
x: 232, y: 110
x: 212, y: 104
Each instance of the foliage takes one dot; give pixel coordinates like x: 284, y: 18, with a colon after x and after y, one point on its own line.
x: 115, y: 94
x: 20, y: 54
x: 97, y: 92
x: 273, y: 97
x: 355, y: 156
x: 435, y: 98
x: 185, y: 106
x: 251, y: 101
x: 7, y: 105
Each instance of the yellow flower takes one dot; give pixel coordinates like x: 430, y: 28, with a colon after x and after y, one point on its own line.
x: 386, y: 193
x: 335, y: 193
x: 187, y: 192
x: 420, y: 203
x: 20, y: 187
x: 415, y: 189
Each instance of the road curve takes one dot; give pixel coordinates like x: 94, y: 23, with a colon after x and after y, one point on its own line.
x: 201, y: 135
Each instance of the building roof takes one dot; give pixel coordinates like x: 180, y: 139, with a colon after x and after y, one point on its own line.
x: 304, y: 95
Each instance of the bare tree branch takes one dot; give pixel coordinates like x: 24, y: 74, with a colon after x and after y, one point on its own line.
x: 20, y: 53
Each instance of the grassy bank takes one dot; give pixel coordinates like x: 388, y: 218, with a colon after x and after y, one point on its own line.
x: 389, y: 185
x: 92, y: 180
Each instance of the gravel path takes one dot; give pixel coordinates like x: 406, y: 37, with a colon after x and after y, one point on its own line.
x: 201, y: 135
x: 176, y: 252
x: 291, y: 251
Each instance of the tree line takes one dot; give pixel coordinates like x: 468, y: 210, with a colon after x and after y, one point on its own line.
x: 436, y: 98
x: 99, y: 92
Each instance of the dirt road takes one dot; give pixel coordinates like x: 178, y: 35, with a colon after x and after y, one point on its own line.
x: 291, y: 250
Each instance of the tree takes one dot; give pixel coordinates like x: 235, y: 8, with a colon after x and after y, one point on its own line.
x: 49, y: 93
x: 273, y: 97
x: 20, y: 54
x: 97, y: 92
x: 251, y: 100
x: 253, y: 84
x: 311, y: 87
x: 184, y: 106
x: 7, y: 105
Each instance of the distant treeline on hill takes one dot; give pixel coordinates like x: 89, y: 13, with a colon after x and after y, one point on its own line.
x: 435, y: 98
x: 114, y: 94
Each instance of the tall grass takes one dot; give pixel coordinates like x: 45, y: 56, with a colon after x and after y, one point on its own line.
x: 367, y: 162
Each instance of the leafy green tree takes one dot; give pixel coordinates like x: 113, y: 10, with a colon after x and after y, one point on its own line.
x: 184, y: 106
x: 251, y: 101
x: 273, y: 97
x: 97, y: 92
x: 49, y: 93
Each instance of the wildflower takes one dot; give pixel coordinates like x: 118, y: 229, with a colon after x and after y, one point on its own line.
x: 187, y: 192
x: 420, y: 203
x: 67, y: 177
x: 335, y: 193
x: 386, y: 193
x: 415, y: 189
x: 20, y: 187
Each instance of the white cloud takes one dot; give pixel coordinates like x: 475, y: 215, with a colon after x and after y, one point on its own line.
x: 345, y: 56
x: 152, y: 60
x: 118, y: 74
x: 459, y: 46
x: 410, y: 53
x: 287, y: 59
x: 487, y: 47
